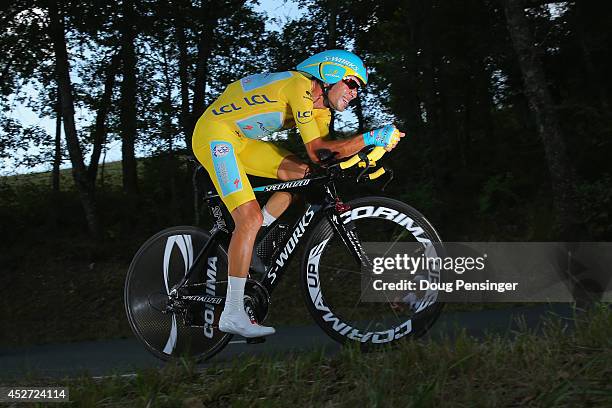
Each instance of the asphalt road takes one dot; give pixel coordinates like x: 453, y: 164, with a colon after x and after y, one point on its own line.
x: 125, y: 356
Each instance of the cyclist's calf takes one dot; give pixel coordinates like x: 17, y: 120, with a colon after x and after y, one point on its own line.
x: 247, y: 219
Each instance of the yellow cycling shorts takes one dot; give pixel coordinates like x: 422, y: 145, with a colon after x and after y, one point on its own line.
x: 228, y: 158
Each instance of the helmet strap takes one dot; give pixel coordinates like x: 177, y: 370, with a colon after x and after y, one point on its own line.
x: 325, y: 90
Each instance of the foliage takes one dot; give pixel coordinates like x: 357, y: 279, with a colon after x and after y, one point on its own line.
x: 561, y: 365
x: 596, y: 201
x: 446, y: 72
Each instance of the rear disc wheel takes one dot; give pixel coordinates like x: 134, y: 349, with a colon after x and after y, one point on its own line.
x: 160, y: 264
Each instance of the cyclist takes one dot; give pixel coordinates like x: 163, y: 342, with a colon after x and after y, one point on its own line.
x: 226, y: 140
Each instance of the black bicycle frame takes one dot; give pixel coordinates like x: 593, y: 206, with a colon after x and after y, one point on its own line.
x: 323, y: 202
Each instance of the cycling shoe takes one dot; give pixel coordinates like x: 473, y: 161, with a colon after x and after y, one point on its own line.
x: 239, y: 323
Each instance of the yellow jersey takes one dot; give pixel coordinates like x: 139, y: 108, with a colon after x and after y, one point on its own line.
x: 261, y: 104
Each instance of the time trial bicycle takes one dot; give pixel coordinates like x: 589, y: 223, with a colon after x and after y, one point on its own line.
x: 176, y: 284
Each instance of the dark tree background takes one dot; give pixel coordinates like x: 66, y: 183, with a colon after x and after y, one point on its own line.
x: 506, y: 104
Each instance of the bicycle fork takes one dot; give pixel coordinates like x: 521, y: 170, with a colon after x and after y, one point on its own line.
x: 348, y: 232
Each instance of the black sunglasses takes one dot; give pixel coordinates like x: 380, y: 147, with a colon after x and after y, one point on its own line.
x: 351, y: 83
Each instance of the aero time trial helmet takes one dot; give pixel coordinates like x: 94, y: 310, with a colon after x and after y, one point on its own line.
x: 332, y: 66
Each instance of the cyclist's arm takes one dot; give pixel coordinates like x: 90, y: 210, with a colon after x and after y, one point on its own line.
x: 297, y: 95
x: 343, y: 148
x: 314, y: 127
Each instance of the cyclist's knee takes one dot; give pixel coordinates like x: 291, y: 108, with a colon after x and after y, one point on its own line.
x: 292, y: 168
x: 248, y: 217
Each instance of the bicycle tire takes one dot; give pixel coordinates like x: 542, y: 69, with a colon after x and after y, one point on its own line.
x: 333, y: 319
x: 159, y: 264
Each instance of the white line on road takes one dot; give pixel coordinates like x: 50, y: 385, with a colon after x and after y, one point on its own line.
x: 101, y: 377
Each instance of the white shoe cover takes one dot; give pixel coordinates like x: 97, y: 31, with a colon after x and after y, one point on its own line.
x: 236, y: 322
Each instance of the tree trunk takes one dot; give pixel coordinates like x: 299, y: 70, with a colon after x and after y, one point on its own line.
x: 183, y: 73
x: 166, y: 105
x: 102, y: 169
x: 483, y: 95
x: 57, y: 154
x: 361, y: 123
x: 429, y: 63
x: 208, y: 22
x: 331, y: 44
x: 79, y: 173
x: 128, y: 99
x: 209, y: 14
x: 540, y: 103
x: 99, y: 136
x: 201, y: 73
x: 412, y: 103
x: 594, y: 77
x: 168, y: 130
x: 332, y: 14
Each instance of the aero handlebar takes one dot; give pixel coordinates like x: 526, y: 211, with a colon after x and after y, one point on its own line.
x: 363, y: 159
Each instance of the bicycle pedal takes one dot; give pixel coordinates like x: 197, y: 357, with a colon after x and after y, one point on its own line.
x: 255, y: 340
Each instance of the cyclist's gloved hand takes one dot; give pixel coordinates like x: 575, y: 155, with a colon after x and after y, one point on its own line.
x: 384, y: 137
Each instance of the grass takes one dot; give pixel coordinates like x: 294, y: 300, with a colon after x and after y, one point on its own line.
x: 556, y: 368
x: 67, y: 291
x: 63, y: 301
x: 109, y: 174
x: 59, y: 285
x: 112, y: 177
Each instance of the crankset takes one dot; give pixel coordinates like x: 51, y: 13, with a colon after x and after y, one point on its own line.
x: 256, y: 300
x: 191, y: 307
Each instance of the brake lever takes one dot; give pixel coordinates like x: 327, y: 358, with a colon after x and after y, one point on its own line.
x: 365, y: 159
x: 390, y: 172
x: 376, y: 174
